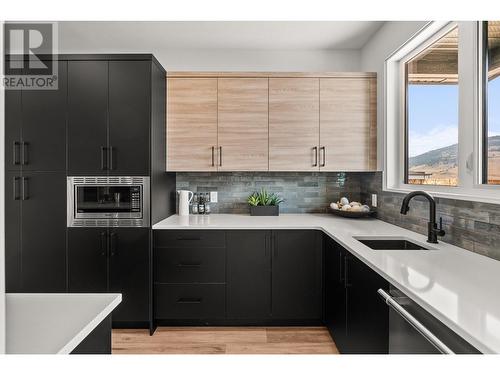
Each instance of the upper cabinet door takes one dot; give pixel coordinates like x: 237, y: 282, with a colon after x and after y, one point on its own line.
x: 43, y: 145
x: 192, y: 124
x: 243, y: 124
x: 87, y: 117
x: 348, y: 124
x: 129, y: 117
x: 293, y: 124
x: 13, y: 121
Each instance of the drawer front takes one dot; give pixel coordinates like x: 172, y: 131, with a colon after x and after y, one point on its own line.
x: 190, y: 265
x: 190, y: 301
x: 189, y: 238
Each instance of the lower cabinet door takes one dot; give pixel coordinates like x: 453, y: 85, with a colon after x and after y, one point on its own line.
x: 248, y: 274
x: 13, y: 232
x: 190, y: 301
x: 367, y: 314
x: 335, y: 293
x: 297, y: 275
x: 87, y: 260
x: 129, y: 273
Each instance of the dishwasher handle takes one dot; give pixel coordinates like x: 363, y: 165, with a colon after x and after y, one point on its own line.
x: 415, y: 323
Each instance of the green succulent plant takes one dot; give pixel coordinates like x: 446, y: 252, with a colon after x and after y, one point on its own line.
x: 264, y: 198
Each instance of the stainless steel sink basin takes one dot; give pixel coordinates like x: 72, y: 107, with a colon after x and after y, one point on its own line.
x: 392, y: 243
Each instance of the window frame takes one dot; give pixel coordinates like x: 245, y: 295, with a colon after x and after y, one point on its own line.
x: 470, y: 116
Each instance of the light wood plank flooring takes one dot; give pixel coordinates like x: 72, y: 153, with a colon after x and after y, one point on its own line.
x: 224, y: 340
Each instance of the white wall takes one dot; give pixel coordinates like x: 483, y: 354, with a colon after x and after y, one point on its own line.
x: 244, y: 59
x: 373, y: 55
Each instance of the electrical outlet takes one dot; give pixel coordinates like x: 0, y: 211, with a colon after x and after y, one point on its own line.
x: 374, y: 200
x: 213, y: 196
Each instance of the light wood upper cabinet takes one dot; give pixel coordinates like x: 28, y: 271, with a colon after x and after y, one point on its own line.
x: 243, y: 124
x: 293, y: 124
x: 192, y: 124
x: 348, y: 134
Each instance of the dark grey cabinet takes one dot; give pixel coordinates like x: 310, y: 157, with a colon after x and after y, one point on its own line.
x: 249, y: 274
x: 129, y: 117
x: 87, y: 117
x: 356, y: 316
x: 112, y: 260
x: 297, y: 275
x: 35, y: 257
x: 109, y: 117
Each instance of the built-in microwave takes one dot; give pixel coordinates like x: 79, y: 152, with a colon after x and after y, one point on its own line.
x: 108, y: 201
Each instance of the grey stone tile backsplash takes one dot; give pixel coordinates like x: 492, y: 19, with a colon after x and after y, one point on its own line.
x: 304, y: 192
x: 474, y: 226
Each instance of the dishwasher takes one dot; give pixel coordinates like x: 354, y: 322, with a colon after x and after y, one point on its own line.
x: 412, y: 330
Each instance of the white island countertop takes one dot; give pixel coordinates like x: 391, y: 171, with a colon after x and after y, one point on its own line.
x: 53, y: 323
x: 458, y: 287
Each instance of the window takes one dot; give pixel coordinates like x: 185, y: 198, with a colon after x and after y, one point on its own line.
x: 432, y: 113
x: 491, y: 98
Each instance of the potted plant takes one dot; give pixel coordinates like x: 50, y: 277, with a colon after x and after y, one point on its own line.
x: 264, y: 203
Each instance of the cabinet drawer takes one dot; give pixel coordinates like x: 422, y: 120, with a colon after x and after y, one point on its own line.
x: 190, y: 265
x: 189, y: 238
x: 190, y: 301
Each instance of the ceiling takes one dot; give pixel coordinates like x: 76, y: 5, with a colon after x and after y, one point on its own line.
x: 254, y: 35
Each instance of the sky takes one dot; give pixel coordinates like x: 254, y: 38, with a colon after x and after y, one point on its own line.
x: 433, y: 115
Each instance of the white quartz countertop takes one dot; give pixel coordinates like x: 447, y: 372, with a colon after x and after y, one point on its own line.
x: 53, y: 323
x: 457, y: 286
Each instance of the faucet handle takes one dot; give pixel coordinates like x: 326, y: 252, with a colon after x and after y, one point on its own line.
x: 441, y: 232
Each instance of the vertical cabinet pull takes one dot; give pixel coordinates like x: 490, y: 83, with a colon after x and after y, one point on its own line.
x: 103, y: 151
x: 112, y: 243
x: 15, y: 188
x: 346, y: 272
x: 323, y: 153
x: 110, y: 158
x: 220, y: 156
x: 15, y: 150
x: 103, y: 243
x: 315, y: 152
x: 26, y: 194
x: 213, y: 156
x: 25, y: 157
x: 341, y: 269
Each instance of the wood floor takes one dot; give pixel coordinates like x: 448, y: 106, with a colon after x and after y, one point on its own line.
x: 224, y: 340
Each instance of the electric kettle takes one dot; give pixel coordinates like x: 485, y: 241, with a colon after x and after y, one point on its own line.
x: 185, y: 197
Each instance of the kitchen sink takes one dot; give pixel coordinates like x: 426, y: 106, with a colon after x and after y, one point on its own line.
x: 392, y: 243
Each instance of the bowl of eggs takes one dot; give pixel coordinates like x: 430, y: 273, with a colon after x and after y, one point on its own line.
x: 352, y: 209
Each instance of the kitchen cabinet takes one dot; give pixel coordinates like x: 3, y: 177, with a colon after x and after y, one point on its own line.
x: 35, y: 247
x: 129, y: 117
x: 249, y: 274
x: 87, y: 117
x: 351, y: 291
x: 293, y: 124
x: 112, y: 260
x: 243, y: 124
x: 297, y: 275
x: 13, y: 126
x: 109, y: 115
x: 192, y: 124
x: 348, y: 124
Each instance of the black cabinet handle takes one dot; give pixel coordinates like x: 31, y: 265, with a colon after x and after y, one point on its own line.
x: 15, y: 188
x: 111, y: 151
x: 220, y: 156
x: 213, y: 156
x: 26, y: 193
x: 188, y: 238
x: 103, y: 243
x: 323, y: 149
x: 189, y: 300
x: 315, y: 151
x: 24, y: 146
x: 112, y: 244
x: 15, y: 150
x: 103, y: 164
x: 341, y: 272
x: 347, y: 284
x: 189, y: 265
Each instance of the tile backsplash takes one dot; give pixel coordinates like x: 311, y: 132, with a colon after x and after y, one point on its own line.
x: 302, y: 191
x: 474, y: 226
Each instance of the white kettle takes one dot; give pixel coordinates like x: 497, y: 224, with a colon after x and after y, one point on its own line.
x: 184, y: 200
